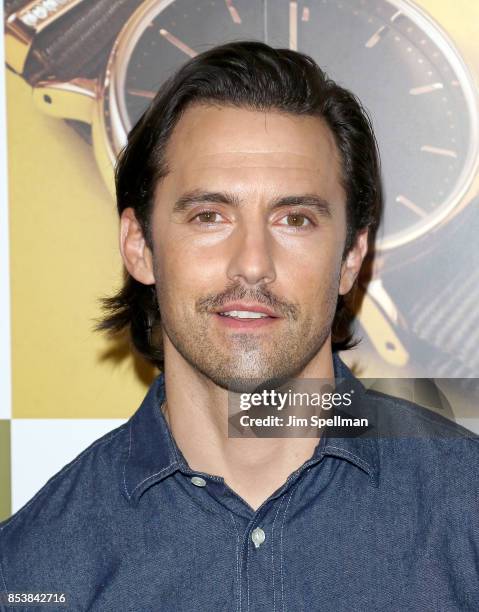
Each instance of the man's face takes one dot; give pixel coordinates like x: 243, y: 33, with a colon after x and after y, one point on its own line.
x: 251, y: 216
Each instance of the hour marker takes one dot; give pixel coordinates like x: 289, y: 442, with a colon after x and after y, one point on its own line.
x: 305, y: 15
x: 142, y: 93
x: 375, y: 38
x: 438, y: 151
x: 414, y: 207
x: 396, y: 15
x: 293, y: 26
x: 233, y: 12
x: 178, y: 43
x: 416, y: 91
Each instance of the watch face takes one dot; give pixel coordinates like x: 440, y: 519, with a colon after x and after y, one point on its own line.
x: 388, y: 52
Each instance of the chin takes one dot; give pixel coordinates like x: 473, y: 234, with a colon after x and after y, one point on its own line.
x: 250, y: 381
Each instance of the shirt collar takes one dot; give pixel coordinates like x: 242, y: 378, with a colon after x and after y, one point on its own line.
x: 361, y: 450
x: 151, y: 454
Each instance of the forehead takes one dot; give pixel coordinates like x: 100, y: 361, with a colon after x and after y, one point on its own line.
x: 213, y: 138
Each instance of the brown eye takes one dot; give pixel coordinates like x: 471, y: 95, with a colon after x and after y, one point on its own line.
x: 296, y: 220
x: 207, y: 216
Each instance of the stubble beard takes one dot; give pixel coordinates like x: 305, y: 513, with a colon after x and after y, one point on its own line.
x: 240, y: 362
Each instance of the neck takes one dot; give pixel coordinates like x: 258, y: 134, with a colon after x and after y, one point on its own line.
x: 253, y: 467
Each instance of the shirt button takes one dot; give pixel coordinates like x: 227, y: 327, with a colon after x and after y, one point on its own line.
x: 258, y: 536
x: 198, y: 481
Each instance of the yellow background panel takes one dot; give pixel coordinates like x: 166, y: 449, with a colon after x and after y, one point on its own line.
x: 64, y: 256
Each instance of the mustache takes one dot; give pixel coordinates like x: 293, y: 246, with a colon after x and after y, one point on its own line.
x: 260, y: 295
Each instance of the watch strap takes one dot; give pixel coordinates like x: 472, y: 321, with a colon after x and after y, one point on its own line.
x: 443, y: 315
x: 76, y: 38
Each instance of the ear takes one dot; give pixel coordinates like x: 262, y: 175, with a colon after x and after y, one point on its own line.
x: 136, y: 255
x: 353, y: 261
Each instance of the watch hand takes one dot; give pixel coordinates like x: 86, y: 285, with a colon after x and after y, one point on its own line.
x: 179, y: 44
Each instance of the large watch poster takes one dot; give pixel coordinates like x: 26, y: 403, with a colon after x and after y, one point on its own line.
x: 415, y: 67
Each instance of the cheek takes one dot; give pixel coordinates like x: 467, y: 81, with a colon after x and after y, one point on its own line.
x: 184, y: 268
x: 313, y: 264
x: 314, y: 282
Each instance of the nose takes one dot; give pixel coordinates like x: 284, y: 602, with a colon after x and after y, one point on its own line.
x: 251, y: 258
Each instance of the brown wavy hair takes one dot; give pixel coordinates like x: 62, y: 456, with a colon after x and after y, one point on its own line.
x: 252, y: 75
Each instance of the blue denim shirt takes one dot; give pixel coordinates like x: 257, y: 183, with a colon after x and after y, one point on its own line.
x: 366, y: 524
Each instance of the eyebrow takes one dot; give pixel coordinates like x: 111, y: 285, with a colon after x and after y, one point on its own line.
x: 310, y: 200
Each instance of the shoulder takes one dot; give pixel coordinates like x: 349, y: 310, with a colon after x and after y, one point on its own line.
x: 63, y: 516
x: 423, y: 441
x: 402, y: 416
x: 87, y: 466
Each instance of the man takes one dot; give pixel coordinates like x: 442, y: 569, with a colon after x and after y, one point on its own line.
x: 248, y: 192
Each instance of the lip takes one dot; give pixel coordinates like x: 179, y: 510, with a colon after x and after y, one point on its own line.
x: 246, y: 324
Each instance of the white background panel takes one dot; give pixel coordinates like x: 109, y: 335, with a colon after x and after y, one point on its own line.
x: 41, y: 447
